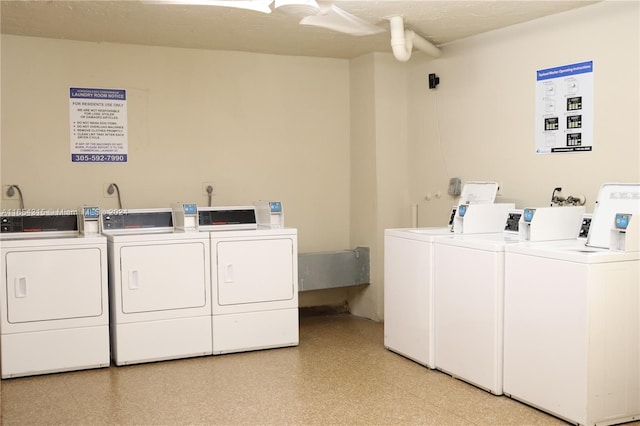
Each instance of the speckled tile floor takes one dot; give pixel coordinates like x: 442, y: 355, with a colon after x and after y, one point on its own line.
x: 339, y: 374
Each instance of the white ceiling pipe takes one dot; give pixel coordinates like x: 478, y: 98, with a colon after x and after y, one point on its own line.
x: 424, y: 45
x: 402, y: 42
x: 400, y: 45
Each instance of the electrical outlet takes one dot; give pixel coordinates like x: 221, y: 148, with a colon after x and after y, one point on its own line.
x: 105, y: 191
x: 6, y: 196
x: 206, y: 185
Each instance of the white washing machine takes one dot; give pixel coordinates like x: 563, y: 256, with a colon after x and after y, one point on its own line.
x: 468, y: 283
x: 572, y: 331
x: 408, y: 281
x: 254, y: 276
x: 572, y: 321
x: 408, y: 292
x: 54, y: 310
x: 160, y: 288
x: 469, y: 293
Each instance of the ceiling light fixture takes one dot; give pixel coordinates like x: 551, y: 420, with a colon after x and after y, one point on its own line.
x: 329, y: 16
x: 298, y: 7
x: 255, y: 5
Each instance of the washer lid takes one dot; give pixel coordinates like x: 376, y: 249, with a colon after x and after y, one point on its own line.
x: 571, y: 251
x: 479, y: 192
x: 419, y: 234
x: 495, y: 242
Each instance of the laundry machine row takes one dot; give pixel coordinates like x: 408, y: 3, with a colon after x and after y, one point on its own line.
x: 540, y: 315
x: 408, y: 276
x: 142, y: 291
x: 214, y: 285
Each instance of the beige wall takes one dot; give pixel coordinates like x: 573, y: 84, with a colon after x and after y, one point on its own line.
x: 407, y: 140
x: 379, y: 177
x: 348, y: 146
x: 259, y: 126
x: 479, y: 123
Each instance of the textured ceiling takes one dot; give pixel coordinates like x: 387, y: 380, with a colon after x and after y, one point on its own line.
x: 217, y: 28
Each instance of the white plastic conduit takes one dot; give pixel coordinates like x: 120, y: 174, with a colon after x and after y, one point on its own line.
x: 403, y: 41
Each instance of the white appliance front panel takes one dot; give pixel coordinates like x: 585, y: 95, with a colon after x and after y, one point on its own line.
x: 408, y: 298
x: 148, y: 341
x: 572, y: 337
x: 162, y: 277
x: 469, y: 314
x: 543, y: 328
x: 254, y: 274
x: 250, y: 331
x: 42, y: 352
x: 46, y: 285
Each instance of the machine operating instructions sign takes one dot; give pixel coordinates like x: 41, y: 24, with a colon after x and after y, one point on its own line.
x: 98, y: 125
x: 564, y: 108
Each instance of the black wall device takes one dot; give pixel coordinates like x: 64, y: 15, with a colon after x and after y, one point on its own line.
x: 434, y: 80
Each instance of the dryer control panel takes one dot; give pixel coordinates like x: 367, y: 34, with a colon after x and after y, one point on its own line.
x: 136, y: 220
x: 227, y: 218
x: 39, y: 223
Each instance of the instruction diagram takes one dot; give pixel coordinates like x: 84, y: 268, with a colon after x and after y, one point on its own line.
x: 564, y: 108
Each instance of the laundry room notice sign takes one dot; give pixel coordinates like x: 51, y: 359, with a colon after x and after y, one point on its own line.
x: 98, y: 125
x: 564, y: 108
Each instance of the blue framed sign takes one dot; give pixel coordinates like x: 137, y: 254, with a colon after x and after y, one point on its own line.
x: 564, y: 108
x: 98, y: 125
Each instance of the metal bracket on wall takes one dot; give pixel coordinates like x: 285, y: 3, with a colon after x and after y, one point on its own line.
x: 342, y: 268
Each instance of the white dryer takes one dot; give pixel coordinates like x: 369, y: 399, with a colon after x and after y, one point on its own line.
x: 54, y: 310
x: 254, y: 277
x: 160, y: 287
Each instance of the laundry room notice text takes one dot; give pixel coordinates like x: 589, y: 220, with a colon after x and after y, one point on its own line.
x: 98, y: 125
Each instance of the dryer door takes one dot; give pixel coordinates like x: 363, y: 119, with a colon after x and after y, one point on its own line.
x: 163, y: 277
x: 252, y: 271
x: 47, y: 285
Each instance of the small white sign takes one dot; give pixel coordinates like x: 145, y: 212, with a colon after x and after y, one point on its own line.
x: 98, y: 125
x: 564, y: 108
